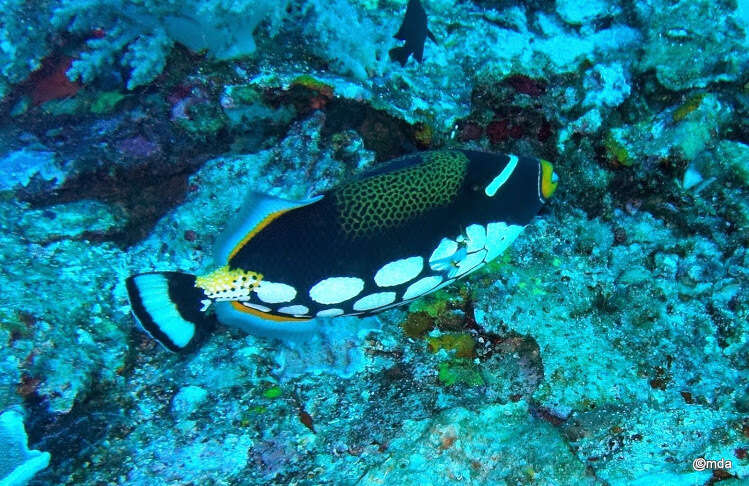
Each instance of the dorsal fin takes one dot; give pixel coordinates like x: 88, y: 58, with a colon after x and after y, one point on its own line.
x: 256, y: 210
x: 431, y: 36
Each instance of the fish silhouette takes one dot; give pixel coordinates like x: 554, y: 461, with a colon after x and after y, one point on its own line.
x: 414, y: 31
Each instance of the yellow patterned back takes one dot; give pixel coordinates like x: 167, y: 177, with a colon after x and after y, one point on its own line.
x: 390, y: 199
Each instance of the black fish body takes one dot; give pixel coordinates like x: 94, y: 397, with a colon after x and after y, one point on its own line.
x: 414, y: 31
x: 392, y: 235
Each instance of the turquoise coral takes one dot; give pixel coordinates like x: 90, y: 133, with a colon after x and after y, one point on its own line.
x: 23, y: 40
x: 677, y: 35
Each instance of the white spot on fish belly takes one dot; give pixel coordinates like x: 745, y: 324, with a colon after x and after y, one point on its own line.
x: 274, y: 293
x: 258, y: 307
x: 394, y: 304
x: 399, y: 271
x: 335, y: 290
x: 294, y: 309
x: 421, y: 287
x: 471, y: 262
x: 498, y: 237
x: 373, y: 301
x: 330, y: 312
x: 441, y: 256
x: 476, y: 238
x: 443, y: 284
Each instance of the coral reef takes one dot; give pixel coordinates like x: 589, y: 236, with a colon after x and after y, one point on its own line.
x: 61, y: 350
x: 674, y: 31
x: 140, y: 34
x: 27, y: 166
x: 23, y: 40
x: 475, y: 446
x: 19, y: 464
x: 607, y: 345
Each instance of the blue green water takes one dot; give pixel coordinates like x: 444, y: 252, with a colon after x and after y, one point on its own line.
x: 606, y: 345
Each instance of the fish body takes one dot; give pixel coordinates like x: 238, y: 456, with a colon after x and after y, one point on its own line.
x: 394, y: 234
x: 414, y: 31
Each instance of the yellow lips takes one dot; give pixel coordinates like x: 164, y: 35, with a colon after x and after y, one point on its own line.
x: 549, y: 179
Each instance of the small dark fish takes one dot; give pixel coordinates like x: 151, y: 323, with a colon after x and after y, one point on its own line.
x: 306, y: 419
x: 414, y: 31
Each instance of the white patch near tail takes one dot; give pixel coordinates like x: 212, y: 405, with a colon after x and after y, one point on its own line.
x: 259, y: 326
x: 154, y: 294
x: 167, y: 306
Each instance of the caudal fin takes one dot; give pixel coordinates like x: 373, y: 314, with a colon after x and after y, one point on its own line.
x: 399, y: 54
x: 167, y: 305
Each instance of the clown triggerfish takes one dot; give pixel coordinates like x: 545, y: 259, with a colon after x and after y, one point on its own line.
x: 394, y: 234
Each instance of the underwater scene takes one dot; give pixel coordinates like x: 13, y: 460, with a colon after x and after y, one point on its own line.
x: 374, y: 242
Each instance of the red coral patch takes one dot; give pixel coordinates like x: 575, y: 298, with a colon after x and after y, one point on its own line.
x: 525, y: 85
x: 50, y: 82
x: 470, y: 131
x: 498, y: 131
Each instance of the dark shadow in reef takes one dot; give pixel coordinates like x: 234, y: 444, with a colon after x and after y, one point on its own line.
x: 71, y: 438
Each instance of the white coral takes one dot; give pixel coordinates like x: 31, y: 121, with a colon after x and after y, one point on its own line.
x: 18, y: 464
x: 140, y: 33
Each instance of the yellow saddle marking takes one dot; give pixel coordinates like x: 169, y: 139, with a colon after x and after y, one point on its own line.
x: 225, y: 284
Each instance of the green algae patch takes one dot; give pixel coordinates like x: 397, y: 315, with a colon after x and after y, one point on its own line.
x: 203, y: 120
x: 245, y: 94
x: 498, y: 265
x: 423, y: 135
x: 249, y: 416
x: 459, y: 372
x: 65, y: 106
x: 272, y: 392
x: 691, y: 104
x: 461, y: 344
x: 617, y: 151
x: 417, y: 324
x: 433, y: 304
x: 310, y: 82
x: 106, y: 102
